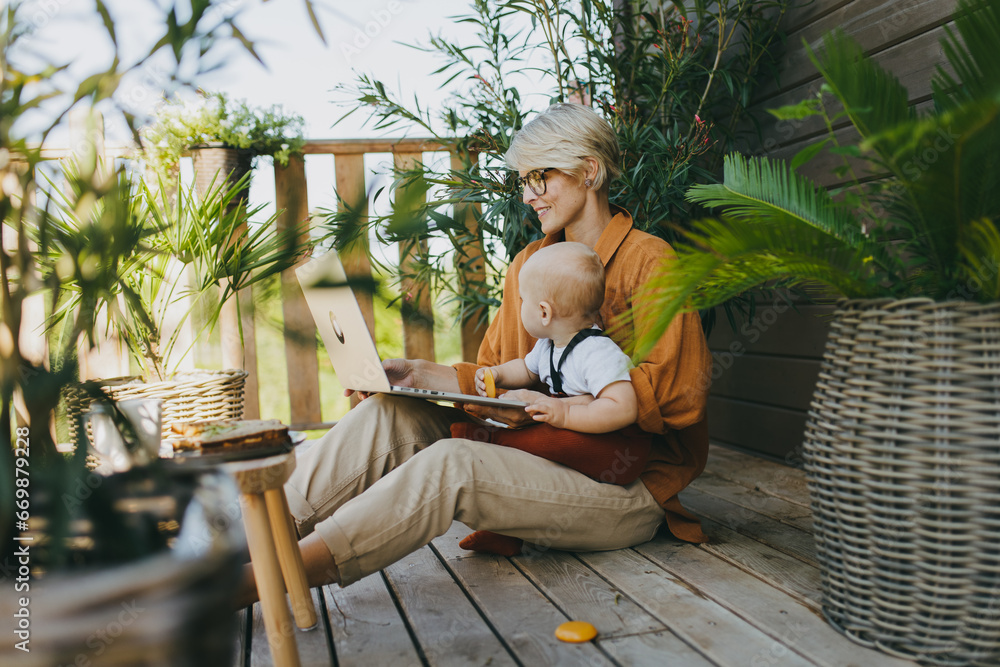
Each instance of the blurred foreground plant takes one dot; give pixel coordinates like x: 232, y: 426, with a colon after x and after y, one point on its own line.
x: 38, y: 93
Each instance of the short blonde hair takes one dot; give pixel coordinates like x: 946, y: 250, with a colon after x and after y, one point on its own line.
x: 561, y: 137
x: 570, y: 276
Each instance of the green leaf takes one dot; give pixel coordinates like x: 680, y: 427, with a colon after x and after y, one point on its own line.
x: 808, y: 153
x: 109, y: 24
x: 311, y: 10
x: 804, y: 109
x: 873, y: 98
x: 247, y: 44
x: 847, y: 151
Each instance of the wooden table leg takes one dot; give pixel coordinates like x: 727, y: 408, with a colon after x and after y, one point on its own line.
x: 277, y: 620
x: 290, y: 558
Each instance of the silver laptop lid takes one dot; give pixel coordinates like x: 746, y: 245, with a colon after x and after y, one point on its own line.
x: 341, y: 324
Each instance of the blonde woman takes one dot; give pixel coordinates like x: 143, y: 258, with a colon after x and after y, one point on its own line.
x: 388, y: 478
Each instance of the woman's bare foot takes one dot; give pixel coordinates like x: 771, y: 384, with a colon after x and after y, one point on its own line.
x: 319, y: 566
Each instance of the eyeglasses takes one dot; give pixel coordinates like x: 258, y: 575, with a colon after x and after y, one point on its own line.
x: 534, y: 179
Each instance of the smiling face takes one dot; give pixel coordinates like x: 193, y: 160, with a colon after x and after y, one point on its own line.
x: 561, y: 205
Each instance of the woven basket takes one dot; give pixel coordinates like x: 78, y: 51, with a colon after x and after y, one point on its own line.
x: 187, y: 396
x: 902, y: 450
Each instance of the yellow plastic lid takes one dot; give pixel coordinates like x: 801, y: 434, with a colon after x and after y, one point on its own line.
x: 576, y: 632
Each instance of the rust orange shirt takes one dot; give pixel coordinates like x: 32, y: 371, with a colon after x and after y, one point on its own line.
x: 671, y: 383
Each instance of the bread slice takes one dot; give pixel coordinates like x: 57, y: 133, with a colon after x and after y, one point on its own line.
x: 219, y: 435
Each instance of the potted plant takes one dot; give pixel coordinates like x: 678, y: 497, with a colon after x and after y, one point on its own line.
x: 223, y: 136
x: 189, y: 252
x: 902, y: 445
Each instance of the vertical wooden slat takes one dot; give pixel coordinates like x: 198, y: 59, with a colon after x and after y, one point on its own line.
x: 417, y: 301
x: 108, y: 358
x: 350, y: 183
x: 300, y: 329
x: 471, y: 267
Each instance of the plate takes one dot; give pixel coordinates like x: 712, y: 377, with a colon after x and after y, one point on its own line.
x: 199, y: 458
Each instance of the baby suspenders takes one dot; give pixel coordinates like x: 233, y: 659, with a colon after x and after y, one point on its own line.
x: 557, y: 385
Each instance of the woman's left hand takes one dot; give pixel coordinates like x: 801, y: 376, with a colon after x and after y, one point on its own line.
x: 513, y: 417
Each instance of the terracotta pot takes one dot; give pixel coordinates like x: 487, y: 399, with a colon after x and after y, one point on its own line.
x: 215, y: 162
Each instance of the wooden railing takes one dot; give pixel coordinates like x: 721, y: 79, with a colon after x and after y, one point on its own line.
x: 110, y: 358
x: 418, y: 317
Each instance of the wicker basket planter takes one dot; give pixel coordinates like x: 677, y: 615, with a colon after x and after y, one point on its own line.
x: 187, y: 396
x: 902, y: 449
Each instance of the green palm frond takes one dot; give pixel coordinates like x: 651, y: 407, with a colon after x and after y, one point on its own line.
x: 980, y: 248
x: 732, y: 254
x: 770, y: 191
x: 946, y: 168
x: 972, y: 54
x: 873, y: 99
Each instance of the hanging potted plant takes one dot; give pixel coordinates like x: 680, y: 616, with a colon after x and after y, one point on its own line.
x: 223, y: 137
x: 902, y: 445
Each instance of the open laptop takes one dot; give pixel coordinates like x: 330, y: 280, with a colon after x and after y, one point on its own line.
x: 348, y: 341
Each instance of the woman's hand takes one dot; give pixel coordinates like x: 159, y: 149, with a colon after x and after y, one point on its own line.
x: 513, y: 417
x: 417, y: 373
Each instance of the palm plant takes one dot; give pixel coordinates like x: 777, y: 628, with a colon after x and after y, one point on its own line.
x: 921, y: 222
x: 128, y: 254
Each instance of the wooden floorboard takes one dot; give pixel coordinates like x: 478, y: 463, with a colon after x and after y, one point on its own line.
x: 244, y: 635
x: 749, y: 597
x: 777, y: 508
x: 792, y: 623
x: 780, y: 481
x: 448, y: 628
x: 313, y: 644
x: 783, y: 537
x: 515, y: 607
x: 714, y: 632
x: 366, y: 626
x: 584, y: 595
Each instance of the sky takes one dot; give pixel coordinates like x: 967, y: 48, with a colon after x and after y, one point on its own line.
x: 300, y: 72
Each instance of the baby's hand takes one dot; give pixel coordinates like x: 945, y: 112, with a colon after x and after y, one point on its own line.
x: 551, y: 410
x: 486, y: 381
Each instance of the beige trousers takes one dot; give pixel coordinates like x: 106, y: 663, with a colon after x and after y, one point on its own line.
x: 388, y: 478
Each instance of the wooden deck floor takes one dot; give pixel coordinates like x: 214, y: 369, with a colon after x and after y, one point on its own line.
x: 750, y: 597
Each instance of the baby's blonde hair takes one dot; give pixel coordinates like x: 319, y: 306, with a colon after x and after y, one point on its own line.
x: 570, y: 276
x: 561, y: 137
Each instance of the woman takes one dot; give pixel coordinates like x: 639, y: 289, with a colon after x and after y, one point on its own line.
x: 387, y: 479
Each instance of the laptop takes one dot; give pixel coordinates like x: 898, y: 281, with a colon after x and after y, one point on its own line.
x: 348, y: 341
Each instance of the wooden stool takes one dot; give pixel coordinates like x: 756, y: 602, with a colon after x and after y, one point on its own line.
x: 274, y: 551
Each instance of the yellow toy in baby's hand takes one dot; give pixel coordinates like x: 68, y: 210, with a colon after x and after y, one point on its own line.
x: 491, y: 385
x: 576, y: 632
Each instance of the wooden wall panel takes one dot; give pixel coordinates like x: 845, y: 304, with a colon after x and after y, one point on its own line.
x: 765, y: 371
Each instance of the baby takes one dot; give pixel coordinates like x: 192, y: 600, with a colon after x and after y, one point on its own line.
x: 562, y: 288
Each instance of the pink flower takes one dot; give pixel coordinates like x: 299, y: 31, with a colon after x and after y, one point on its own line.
x: 698, y: 119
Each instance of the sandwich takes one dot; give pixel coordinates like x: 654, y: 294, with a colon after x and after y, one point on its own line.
x: 220, y: 435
